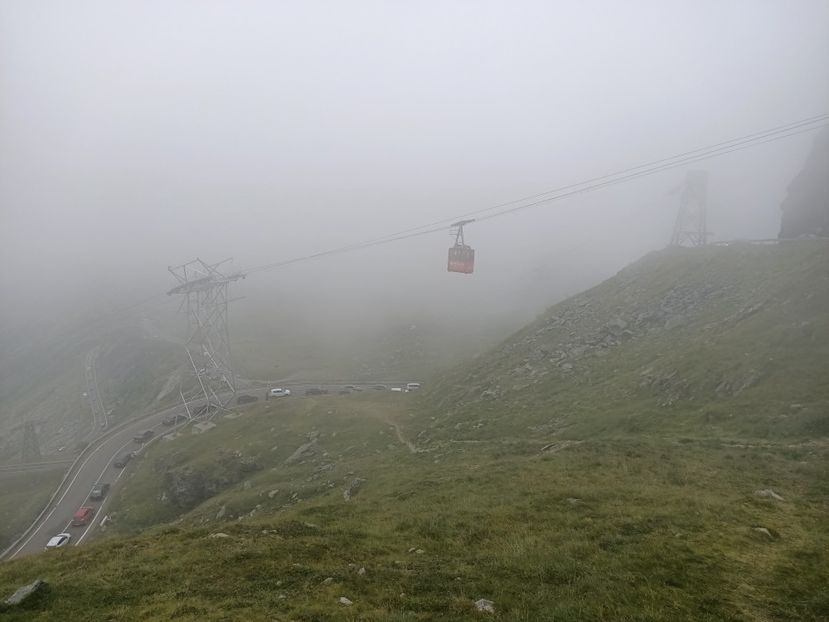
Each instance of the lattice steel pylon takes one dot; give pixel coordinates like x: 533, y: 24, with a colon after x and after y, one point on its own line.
x: 205, y: 291
x: 691, y: 227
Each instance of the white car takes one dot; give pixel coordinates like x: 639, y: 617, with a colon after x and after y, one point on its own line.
x: 279, y: 392
x: 56, y: 542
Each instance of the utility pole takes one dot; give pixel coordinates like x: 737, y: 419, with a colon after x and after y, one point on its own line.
x: 691, y: 227
x: 204, y: 291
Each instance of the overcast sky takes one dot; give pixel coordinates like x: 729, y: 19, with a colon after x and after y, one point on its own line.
x: 134, y: 135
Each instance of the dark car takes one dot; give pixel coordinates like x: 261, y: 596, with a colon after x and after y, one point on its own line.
x: 379, y: 387
x: 123, y: 460
x: 143, y: 437
x: 99, y: 491
x: 316, y: 391
x: 174, y: 419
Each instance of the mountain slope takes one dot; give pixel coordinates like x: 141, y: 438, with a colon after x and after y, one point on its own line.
x: 717, y: 341
x: 653, y: 449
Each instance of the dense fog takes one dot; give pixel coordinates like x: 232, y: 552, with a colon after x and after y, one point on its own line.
x: 138, y: 135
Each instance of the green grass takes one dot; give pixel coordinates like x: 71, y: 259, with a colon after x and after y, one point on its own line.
x: 753, y: 315
x: 621, y: 489
x: 22, y: 497
x: 605, y: 529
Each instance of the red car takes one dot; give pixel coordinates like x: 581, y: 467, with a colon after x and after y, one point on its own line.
x: 83, y: 516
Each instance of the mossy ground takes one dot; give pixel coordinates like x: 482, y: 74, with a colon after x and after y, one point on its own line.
x: 613, y: 529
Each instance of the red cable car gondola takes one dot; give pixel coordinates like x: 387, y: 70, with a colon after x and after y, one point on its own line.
x: 461, y: 256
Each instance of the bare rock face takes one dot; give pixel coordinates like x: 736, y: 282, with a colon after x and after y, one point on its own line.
x: 806, y: 208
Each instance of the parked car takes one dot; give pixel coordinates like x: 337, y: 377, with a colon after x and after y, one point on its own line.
x: 58, y: 541
x: 278, y: 392
x: 123, y: 460
x: 99, y: 491
x: 397, y: 389
x: 174, y: 419
x: 83, y: 516
x: 412, y: 386
x: 316, y: 391
x: 379, y: 387
x: 143, y: 437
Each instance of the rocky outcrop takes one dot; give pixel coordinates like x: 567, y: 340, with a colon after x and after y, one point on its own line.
x: 24, y: 593
x: 187, y: 486
x: 806, y: 208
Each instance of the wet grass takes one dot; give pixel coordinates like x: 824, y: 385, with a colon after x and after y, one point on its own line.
x: 605, y: 530
x: 22, y: 497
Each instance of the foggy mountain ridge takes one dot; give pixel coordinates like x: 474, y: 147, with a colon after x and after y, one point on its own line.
x: 619, y: 412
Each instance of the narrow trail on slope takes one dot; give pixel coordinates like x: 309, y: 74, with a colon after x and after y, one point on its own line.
x: 402, y: 438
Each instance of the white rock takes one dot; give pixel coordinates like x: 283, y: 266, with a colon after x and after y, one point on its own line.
x: 361, y: 572
x: 344, y: 601
x: 767, y: 493
x: 218, y: 534
x: 485, y: 606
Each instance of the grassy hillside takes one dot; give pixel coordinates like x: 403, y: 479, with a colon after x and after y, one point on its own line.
x: 712, y: 342
x: 677, y: 472
x: 22, y: 497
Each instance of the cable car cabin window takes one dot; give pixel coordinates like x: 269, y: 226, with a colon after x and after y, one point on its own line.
x: 461, y: 259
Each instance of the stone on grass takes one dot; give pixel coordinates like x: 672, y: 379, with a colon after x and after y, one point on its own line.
x: 361, y: 572
x: 485, y: 606
x: 26, y: 591
x: 765, y: 532
x: 218, y: 534
x: 767, y: 493
x: 353, y: 487
x: 344, y: 601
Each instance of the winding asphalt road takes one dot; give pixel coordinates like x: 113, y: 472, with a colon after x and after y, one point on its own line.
x: 96, y: 465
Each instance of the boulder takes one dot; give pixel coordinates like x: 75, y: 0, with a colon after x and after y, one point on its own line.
x: 27, y: 591
x: 485, y: 606
x: 767, y: 493
x: 302, y: 451
x: 353, y: 487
